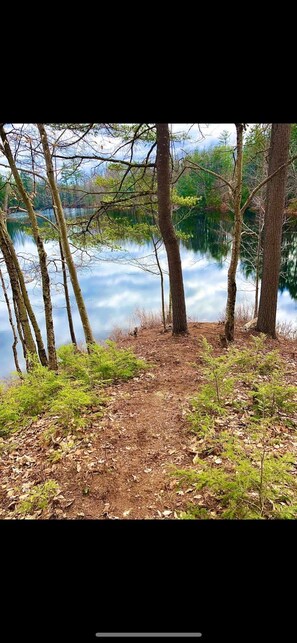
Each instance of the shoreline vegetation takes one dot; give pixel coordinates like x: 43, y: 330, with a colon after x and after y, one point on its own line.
x: 222, y: 209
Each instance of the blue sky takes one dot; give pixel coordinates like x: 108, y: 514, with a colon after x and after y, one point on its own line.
x: 203, y: 135
x: 198, y: 136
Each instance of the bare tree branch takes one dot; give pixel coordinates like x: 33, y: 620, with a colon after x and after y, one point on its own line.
x: 102, y: 158
x: 218, y: 176
x: 256, y: 189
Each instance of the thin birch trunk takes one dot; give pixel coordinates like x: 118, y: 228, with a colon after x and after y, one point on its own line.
x: 52, y: 356
x: 15, y: 339
x: 20, y: 309
x: 231, y: 298
x: 31, y: 314
x: 64, y: 237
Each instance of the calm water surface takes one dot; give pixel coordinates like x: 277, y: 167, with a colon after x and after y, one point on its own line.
x: 114, y: 284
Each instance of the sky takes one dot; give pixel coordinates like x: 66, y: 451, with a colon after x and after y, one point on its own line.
x: 210, y: 132
x: 199, y: 136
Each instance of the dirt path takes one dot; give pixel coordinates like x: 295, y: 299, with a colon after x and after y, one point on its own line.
x: 120, y: 468
x: 144, y: 432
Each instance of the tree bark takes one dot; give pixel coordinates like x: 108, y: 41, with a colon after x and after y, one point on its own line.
x: 169, y: 316
x: 179, y: 316
x: 257, y: 265
x: 15, y: 338
x: 64, y: 237
x: 20, y: 309
x: 52, y: 356
x: 161, y: 282
x: 65, y: 282
x: 67, y: 298
x: 6, y: 197
x: 231, y: 299
x: 31, y: 314
x: 273, y: 225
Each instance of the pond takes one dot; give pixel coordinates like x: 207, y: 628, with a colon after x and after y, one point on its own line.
x: 116, y: 283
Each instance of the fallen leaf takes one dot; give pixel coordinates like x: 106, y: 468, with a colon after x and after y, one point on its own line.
x: 127, y: 512
x: 78, y: 467
x: 68, y: 504
x: 167, y: 512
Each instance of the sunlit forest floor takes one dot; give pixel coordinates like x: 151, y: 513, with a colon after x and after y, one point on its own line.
x: 122, y: 465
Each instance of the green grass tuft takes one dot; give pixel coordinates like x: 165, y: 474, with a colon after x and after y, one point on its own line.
x: 249, y: 479
x: 70, y: 392
x: 39, y: 497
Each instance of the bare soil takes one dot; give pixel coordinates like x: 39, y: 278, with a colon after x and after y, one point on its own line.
x: 120, y: 466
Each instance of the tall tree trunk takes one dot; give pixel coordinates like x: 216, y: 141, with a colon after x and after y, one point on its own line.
x: 169, y: 316
x: 65, y: 282
x: 179, y: 315
x: 155, y: 244
x: 6, y: 196
x: 231, y: 299
x: 257, y: 265
x: 31, y: 314
x: 275, y: 203
x: 52, y: 356
x: 15, y: 339
x: 21, y: 335
x: 20, y: 309
x: 64, y: 237
x: 67, y: 298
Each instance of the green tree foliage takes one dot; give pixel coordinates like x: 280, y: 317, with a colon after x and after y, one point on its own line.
x: 255, y: 153
x: 195, y: 182
x: 220, y: 158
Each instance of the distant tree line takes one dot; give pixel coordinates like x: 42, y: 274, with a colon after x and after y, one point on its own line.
x: 80, y: 188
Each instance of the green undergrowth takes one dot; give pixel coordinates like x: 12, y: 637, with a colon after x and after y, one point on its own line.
x: 66, y: 395
x: 242, y: 468
x: 39, y: 497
